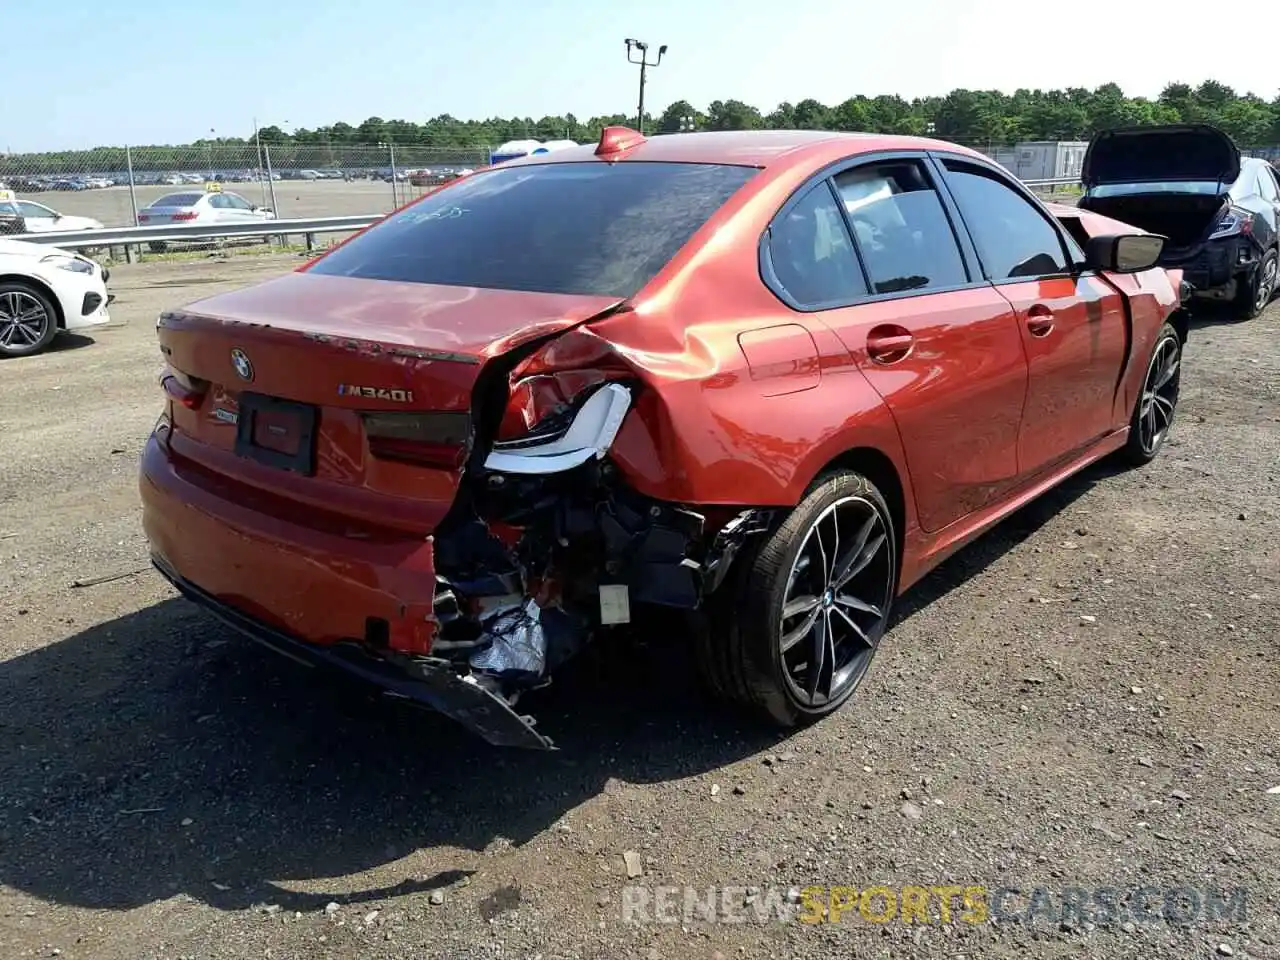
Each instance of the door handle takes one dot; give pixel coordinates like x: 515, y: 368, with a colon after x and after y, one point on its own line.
x: 1040, y: 320
x: 890, y: 343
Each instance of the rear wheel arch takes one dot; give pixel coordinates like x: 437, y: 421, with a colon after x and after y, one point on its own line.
x: 45, y: 290
x: 880, y: 469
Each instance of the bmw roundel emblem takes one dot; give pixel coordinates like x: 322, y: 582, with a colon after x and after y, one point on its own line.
x: 240, y: 360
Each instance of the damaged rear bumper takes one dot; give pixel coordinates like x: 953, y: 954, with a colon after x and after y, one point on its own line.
x: 1216, y: 270
x: 425, y: 680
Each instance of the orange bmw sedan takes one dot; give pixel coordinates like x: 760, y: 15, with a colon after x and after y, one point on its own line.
x: 766, y: 378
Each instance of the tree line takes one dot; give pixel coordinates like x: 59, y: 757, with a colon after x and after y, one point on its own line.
x: 975, y: 117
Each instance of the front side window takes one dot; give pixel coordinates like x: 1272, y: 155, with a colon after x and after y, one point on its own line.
x: 589, y: 228
x: 901, y: 227
x: 1014, y: 240
x: 812, y: 258
x: 34, y: 211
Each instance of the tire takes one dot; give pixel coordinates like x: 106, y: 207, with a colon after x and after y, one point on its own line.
x: 741, y: 653
x: 1254, y: 296
x: 1157, y: 401
x: 19, y: 338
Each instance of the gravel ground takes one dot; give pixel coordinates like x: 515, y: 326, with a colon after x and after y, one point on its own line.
x: 1087, y: 697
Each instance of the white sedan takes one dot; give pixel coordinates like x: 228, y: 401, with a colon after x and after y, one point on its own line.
x: 211, y: 206
x: 44, y: 291
x: 41, y: 219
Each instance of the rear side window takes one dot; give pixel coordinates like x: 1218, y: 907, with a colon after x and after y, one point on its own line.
x: 178, y: 200
x: 576, y: 228
x: 812, y: 258
x: 1014, y: 240
x: 1267, y: 184
x: 901, y: 228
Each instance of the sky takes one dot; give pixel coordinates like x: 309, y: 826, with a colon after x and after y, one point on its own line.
x: 89, y: 73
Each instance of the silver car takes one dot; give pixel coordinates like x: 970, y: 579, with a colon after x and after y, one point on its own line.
x: 209, y: 206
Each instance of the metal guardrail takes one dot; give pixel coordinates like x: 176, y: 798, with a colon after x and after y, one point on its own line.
x: 1060, y: 182
x: 128, y: 236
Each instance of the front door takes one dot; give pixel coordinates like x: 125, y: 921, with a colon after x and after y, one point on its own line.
x: 1073, y: 327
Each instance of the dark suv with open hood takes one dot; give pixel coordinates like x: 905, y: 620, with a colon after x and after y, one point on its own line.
x: 1188, y: 182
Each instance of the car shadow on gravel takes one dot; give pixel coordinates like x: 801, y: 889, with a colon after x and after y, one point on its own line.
x: 65, y: 342
x: 160, y: 754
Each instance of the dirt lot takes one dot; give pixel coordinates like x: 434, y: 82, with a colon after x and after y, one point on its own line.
x: 1087, y: 697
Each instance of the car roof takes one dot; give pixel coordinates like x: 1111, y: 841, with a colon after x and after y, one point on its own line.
x: 755, y: 148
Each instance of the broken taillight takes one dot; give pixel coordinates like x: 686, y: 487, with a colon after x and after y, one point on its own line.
x: 557, y: 378
x: 431, y: 439
x: 186, y: 390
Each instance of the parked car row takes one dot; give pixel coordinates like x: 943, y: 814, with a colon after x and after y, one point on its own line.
x: 41, y: 184
x: 47, y: 183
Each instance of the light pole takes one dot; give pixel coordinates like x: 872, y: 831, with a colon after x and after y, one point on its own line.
x: 639, y: 46
x: 688, y: 123
x: 208, y: 150
x: 266, y: 177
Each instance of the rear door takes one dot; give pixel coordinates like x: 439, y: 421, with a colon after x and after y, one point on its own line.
x: 1269, y: 192
x: 938, y: 343
x: 1074, y: 327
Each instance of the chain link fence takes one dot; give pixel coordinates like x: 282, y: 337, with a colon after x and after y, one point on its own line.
x: 111, y: 184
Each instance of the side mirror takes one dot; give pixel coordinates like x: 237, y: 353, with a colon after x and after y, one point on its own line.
x: 1124, y: 253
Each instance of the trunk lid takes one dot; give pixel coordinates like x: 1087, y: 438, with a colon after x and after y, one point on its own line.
x: 302, y: 390
x: 160, y: 216
x: 1160, y: 154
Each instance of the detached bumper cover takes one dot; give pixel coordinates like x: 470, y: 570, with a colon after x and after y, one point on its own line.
x: 424, y: 680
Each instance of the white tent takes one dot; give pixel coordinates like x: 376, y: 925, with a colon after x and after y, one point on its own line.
x: 523, y: 148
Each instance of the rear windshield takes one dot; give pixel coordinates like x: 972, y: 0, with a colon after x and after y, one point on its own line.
x: 178, y: 200
x: 577, y: 228
x: 1206, y: 187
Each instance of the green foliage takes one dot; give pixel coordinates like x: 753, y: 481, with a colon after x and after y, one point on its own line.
x: 977, y: 117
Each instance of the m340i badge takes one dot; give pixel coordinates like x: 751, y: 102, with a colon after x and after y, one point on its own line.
x: 375, y: 393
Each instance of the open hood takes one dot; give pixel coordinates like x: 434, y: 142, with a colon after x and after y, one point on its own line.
x: 1192, y: 151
